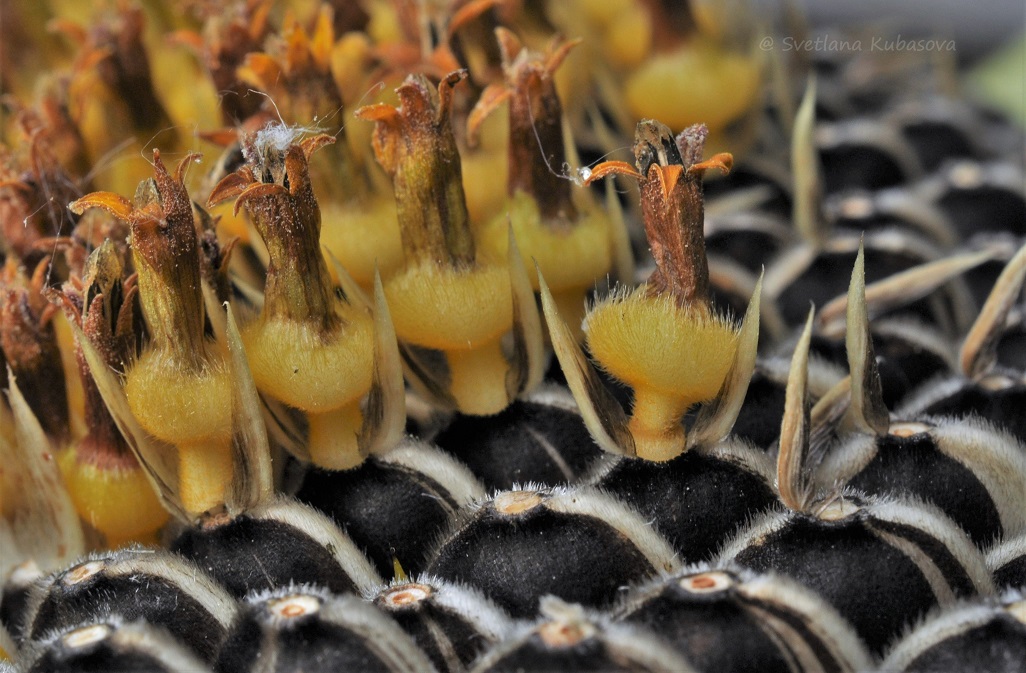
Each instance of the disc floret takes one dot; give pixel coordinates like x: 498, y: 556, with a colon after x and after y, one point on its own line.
x: 664, y: 338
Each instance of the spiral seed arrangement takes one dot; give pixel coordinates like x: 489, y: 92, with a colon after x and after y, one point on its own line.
x: 449, y: 356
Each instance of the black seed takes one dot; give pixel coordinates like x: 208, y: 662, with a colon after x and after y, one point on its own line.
x: 526, y: 442
x: 1001, y: 407
x: 249, y: 554
x: 451, y: 632
x: 996, y: 646
x: 914, y: 465
x: 759, y: 420
x: 390, y: 511
x: 114, y: 590
x: 303, y: 630
x: 873, y: 585
x: 696, y: 501
x: 515, y: 559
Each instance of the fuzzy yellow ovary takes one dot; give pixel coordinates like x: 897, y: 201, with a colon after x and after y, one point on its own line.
x: 628, y: 37
x: 672, y: 357
x: 120, y: 503
x: 698, y: 83
x: 464, y: 314
x: 571, y: 257
x: 363, y: 236
x: 440, y: 308
x: 651, y: 343
x: 180, y: 406
x: 192, y: 411
x: 291, y: 361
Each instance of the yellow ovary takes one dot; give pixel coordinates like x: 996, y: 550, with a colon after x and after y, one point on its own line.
x: 698, y: 83
x: 193, y: 411
x: 177, y: 405
x: 120, y: 503
x: 292, y: 362
x: 629, y: 37
x: 571, y: 257
x: 650, y: 342
x: 362, y: 234
x: 446, y: 309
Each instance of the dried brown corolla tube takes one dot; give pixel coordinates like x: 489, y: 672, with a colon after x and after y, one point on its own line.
x: 447, y: 297
x: 567, y: 235
x: 315, y: 350
x: 304, y: 80
x: 664, y: 339
x: 113, y: 92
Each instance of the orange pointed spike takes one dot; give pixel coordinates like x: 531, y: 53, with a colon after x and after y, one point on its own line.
x: 668, y: 177
x: 724, y: 161
x: 607, y: 168
x: 115, y: 204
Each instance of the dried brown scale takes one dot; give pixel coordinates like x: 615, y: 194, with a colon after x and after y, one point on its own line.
x: 32, y: 200
x: 416, y: 146
x: 104, y: 308
x: 29, y: 346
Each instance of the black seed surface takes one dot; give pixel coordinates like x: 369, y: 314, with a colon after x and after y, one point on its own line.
x: 309, y: 645
x: 250, y: 554
x: 1011, y: 574
x: 516, y: 560
x: 696, y: 501
x: 999, y: 646
x: 873, y: 585
x: 848, y: 166
x: 936, y: 142
x: 449, y: 640
x: 828, y: 276
x: 759, y: 420
x: 13, y: 603
x: 913, y: 465
x: 985, y: 209
x: 388, y: 510
x: 141, y: 596
x: 712, y: 631
x: 1003, y: 408
x: 526, y: 442
x: 98, y: 660
x: 751, y: 248
x: 586, y: 656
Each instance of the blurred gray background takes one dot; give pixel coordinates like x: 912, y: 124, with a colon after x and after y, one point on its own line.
x: 978, y: 27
